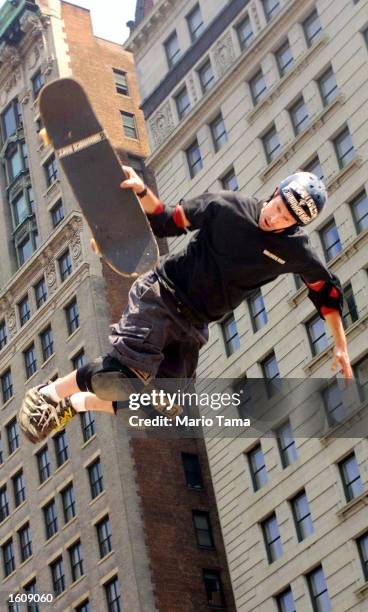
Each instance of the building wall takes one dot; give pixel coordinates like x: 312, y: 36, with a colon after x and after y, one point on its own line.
x: 343, y: 45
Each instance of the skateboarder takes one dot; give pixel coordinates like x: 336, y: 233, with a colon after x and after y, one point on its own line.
x: 242, y: 244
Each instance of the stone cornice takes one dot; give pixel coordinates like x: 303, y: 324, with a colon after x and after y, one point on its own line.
x: 149, y: 26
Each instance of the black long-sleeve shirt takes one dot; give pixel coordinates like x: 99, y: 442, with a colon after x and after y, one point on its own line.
x: 231, y: 256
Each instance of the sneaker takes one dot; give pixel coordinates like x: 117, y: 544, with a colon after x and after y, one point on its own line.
x: 39, y: 414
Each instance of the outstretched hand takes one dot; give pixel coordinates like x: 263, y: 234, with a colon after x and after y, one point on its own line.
x: 341, y: 359
x: 132, y: 181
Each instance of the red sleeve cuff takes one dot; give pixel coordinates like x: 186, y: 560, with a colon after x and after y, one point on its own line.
x: 327, y: 310
x: 159, y: 209
x: 178, y: 217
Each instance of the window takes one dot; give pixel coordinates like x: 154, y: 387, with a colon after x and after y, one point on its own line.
x: 8, y: 557
x: 284, y: 58
x: 76, y: 560
x: 271, y: 144
x: 257, y: 310
x: 88, y: 424
x: 192, y: 471
x: 344, y: 148
x: 318, y: 590
x: 330, y: 240
x: 229, y: 181
x: 1, y: 450
x: 244, y: 32
x: 68, y: 501
x: 50, y: 170
x: 350, y: 477
x: 47, y: 343
x: 112, y: 594
x: 206, y: 76
x: 359, y: 207
x: 230, y: 335
x: 328, y: 86
x: 218, y: 131
x: 30, y: 361
x: 202, y: 529
x: 286, y: 444
x: 302, y: 516
x: 27, y: 247
x: 61, y: 447
x: 11, y: 119
x: 334, y: 407
x: 57, y: 576
x: 317, y: 335
x: 285, y: 601
x: 50, y: 519
x: 272, y: 538
x: 14, y: 163
x: 194, y: 159
x: 79, y: 360
x: 4, y: 503
x: 57, y: 213
x: 214, y: 589
x: 20, y: 209
x: 350, y: 312
x: 129, y: 125
x: 72, y: 316
x: 182, y: 103
x: 299, y: 116
x: 25, y: 542
x: 83, y: 607
x: 65, y: 266
x: 3, y: 334
x: 103, y: 529
x: 138, y: 164
x: 314, y: 166
x: 195, y: 23
x: 365, y: 35
x: 257, y: 467
x: 242, y: 388
x: 121, y: 82
x: 361, y: 375
x: 362, y: 544
x: 312, y: 28
x: 12, y: 434
x: 38, y: 82
x: 24, y: 310
x: 31, y: 588
x: 19, y: 488
x: 95, y: 478
x: 258, y: 87
x: 7, y: 385
x: 43, y: 464
x: 271, y: 8
x: 172, y: 50
x: 40, y: 290
x: 271, y: 373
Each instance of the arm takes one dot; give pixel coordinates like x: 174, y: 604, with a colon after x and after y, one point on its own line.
x: 328, y: 299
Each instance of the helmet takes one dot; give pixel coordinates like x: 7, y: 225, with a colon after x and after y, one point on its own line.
x: 304, y: 195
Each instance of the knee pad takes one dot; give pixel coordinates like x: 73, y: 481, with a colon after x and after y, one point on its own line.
x: 107, y: 378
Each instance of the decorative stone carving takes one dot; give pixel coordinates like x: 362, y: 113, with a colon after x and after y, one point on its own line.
x: 162, y: 124
x: 11, y: 320
x: 254, y: 13
x: 31, y: 24
x: 9, y: 56
x: 48, y: 264
x: 224, y: 54
x: 75, y: 239
x: 192, y: 89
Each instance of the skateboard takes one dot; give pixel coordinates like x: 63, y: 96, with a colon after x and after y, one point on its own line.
x: 121, y: 231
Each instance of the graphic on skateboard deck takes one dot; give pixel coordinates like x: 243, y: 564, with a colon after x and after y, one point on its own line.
x: 120, y: 228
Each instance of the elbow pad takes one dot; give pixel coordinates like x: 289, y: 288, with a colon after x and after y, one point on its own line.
x: 167, y: 222
x: 328, y: 297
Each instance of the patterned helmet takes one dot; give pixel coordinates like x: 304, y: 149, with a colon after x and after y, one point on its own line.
x: 305, y: 195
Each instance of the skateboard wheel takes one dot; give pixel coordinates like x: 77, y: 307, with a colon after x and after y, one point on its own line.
x: 45, y: 138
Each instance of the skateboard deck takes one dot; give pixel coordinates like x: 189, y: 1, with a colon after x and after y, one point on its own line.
x: 120, y: 228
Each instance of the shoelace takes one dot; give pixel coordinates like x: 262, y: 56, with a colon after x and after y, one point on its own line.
x: 43, y: 416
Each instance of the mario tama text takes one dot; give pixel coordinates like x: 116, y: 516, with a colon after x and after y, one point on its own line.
x: 218, y: 420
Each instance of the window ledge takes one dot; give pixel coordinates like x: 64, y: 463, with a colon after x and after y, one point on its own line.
x: 333, y: 429
x: 276, y: 90
x: 94, y: 500
x: 25, y: 561
x: 89, y: 440
x: 109, y: 554
x: 61, y: 466
x: 51, y: 188
x: 336, y: 180
x: 73, y: 334
x: 288, y: 150
x: 352, y: 504
x: 8, y: 401
x: 47, y: 361
x: 45, y: 481
x: 70, y: 522
x: 362, y: 591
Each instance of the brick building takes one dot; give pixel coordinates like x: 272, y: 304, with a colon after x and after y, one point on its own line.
x: 84, y: 516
